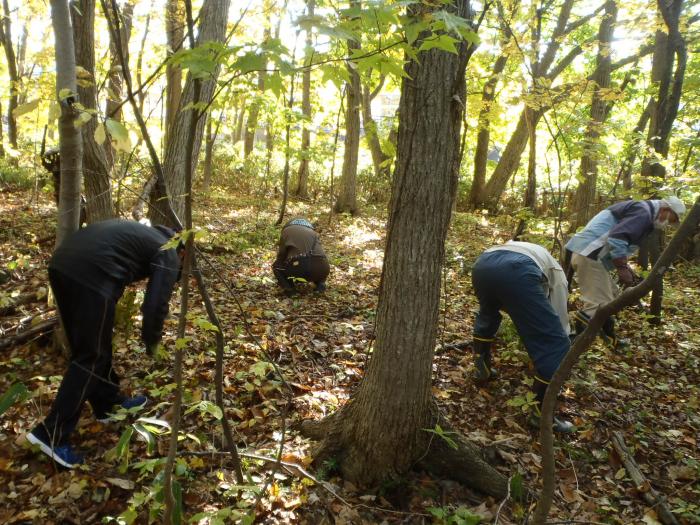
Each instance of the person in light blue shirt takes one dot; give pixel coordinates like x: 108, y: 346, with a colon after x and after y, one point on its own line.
x: 605, y: 243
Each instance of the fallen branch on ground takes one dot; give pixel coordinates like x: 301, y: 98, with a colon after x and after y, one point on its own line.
x: 651, y: 496
x: 44, y: 327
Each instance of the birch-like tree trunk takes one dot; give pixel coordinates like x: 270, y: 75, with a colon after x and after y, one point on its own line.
x: 71, y: 150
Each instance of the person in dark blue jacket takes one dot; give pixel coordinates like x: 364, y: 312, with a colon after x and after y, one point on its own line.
x: 88, y: 273
x: 605, y: 243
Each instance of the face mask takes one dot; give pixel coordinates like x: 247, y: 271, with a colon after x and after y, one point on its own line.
x: 660, y: 225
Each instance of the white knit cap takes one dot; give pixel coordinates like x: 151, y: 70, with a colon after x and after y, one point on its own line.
x: 675, y: 204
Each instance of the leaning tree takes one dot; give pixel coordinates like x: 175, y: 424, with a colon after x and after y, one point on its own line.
x: 381, y: 432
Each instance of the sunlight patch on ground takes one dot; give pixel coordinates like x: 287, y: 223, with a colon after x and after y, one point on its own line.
x: 372, y: 259
x: 357, y: 236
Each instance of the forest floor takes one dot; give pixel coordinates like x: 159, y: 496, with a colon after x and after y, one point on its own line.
x: 320, y: 344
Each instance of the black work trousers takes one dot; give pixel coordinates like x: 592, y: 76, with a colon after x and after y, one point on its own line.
x: 311, y: 268
x: 88, y: 320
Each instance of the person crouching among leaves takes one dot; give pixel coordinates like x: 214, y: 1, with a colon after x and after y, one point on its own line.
x: 300, y: 256
x: 526, y: 282
x: 88, y: 273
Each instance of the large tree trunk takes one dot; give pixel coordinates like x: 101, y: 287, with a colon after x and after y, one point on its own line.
x: 302, y: 190
x: 394, y: 403
x: 175, y: 32
x: 6, y: 37
x: 71, y: 150
x: 347, y: 186
x: 212, y: 27
x: 98, y: 189
x: 115, y: 93
x: 584, y: 204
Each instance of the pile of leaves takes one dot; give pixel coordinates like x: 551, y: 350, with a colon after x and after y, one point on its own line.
x: 288, y: 359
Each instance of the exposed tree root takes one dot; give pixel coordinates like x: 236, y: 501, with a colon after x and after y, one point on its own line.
x: 464, y: 464
x: 358, y: 460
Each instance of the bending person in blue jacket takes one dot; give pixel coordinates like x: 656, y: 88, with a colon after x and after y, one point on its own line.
x: 605, y: 243
x: 88, y: 273
x: 525, y: 281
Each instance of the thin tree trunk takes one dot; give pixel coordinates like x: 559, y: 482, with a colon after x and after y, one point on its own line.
x: 483, y: 136
x: 347, y: 194
x: 98, y: 188
x: 584, y: 200
x: 6, y: 37
x: 208, y: 154
x: 542, y: 68
x: 625, y: 172
x: 302, y: 189
x: 380, y: 160
x: 139, y: 63
x: 240, y: 120
x: 174, y: 31
x: 2, y: 140
x: 254, y: 112
x: 115, y: 91
x: 394, y: 403
x: 71, y: 150
x: 212, y: 28
x: 669, y: 53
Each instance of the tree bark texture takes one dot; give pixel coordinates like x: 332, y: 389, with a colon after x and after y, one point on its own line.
x: 98, y: 188
x: 381, y: 433
x: 212, y: 27
x: 669, y: 52
x: 584, y: 206
x: 302, y: 188
x: 71, y: 149
x: 6, y: 37
x: 175, y: 33
x: 347, y: 185
x: 115, y: 95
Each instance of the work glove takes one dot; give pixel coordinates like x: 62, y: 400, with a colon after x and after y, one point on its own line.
x: 624, y: 272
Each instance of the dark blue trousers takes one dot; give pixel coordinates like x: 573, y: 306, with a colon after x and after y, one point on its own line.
x: 512, y: 282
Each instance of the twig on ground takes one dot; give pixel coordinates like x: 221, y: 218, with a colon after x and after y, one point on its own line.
x: 649, y: 493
